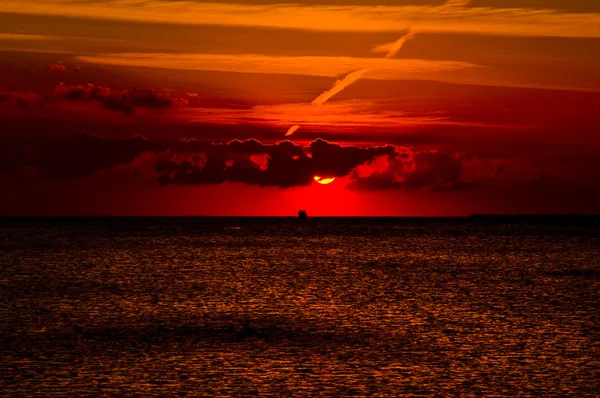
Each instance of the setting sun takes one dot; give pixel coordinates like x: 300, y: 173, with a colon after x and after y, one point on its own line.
x: 324, y: 181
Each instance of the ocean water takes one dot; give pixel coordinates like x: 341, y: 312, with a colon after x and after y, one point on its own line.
x: 279, y: 307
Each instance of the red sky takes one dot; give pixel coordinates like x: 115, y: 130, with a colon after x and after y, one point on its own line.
x: 182, y: 107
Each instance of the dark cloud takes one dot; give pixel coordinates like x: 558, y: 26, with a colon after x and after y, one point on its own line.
x: 432, y: 170
x: 284, y: 164
x: 57, y: 68
x: 69, y: 157
x: 570, y: 6
x: 337, y: 161
x: 24, y: 100
x: 125, y: 100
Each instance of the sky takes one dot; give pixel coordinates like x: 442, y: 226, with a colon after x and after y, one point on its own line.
x: 404, y: 107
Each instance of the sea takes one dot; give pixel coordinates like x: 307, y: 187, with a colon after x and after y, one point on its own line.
x: 283, y: 307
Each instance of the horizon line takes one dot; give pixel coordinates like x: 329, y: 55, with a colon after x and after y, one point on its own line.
x: 475, y: 215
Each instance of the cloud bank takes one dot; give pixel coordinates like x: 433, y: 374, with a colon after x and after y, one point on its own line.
x: 284, y: 164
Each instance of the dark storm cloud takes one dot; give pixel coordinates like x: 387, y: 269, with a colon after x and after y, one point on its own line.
x: 125, y: 100
x: 284, y: 164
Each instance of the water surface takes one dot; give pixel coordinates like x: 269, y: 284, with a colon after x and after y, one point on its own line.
x: 335, y: 307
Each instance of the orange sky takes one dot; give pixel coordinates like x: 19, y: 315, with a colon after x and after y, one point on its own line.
x: 485, y: 106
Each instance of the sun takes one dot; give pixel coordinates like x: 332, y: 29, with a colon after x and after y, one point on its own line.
x: 324, y: 181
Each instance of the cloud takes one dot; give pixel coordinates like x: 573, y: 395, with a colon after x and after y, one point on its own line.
x: 380, y: 68
x: 85, y: 105
x: 27, y: 100
x: 25, y: 37
x: 457, y: 3
x: 422, y: 170
x: 433, y: 169
x: 284, y: 164
x: 57, y: 68
x: 452, y: 18
x: 124, y: 100
x: 478, y: 169
x: 70, y: 157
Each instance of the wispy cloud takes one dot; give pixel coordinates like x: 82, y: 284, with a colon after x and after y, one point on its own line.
x: 453, y: 17
x: 457, y: 3
x: 380, y: 68
x: 349, y: 116
x: 17, y: 36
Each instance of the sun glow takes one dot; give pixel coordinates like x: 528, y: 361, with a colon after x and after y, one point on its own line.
x: 324, y: 181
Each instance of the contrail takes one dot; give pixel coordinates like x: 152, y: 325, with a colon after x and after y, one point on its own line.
x: 391, y: 49
x: 292, y: 130
x: 338, y: 86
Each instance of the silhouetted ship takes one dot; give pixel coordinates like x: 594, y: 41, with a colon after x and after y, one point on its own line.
x: 302, y: 214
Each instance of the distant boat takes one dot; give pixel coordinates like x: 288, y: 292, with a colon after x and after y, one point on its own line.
x: 302, y: 214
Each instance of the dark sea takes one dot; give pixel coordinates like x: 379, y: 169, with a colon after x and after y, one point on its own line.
x: 283, y: 307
